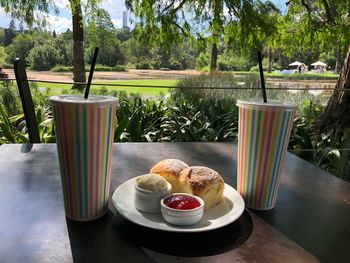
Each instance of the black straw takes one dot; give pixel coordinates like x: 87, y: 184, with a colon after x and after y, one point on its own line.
x: 92, y: 68
x: 262, y: 77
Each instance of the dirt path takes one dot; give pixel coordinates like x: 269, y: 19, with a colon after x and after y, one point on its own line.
x: 134, y: 74
x: 106, y: 75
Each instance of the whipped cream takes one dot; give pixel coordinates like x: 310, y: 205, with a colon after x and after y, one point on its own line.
x: 152, y: 182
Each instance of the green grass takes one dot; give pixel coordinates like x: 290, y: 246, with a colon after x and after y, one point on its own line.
x: 303, y: 76
x: 148, y: 91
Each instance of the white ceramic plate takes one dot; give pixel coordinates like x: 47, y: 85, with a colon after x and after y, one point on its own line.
x: 218, y: 216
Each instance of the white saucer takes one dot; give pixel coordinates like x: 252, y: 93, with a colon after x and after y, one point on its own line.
x: 230, y: 209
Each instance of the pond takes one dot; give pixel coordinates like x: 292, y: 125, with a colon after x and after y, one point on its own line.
x: 312, y: 87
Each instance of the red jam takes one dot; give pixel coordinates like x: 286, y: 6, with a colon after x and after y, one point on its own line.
x: 181, y: 202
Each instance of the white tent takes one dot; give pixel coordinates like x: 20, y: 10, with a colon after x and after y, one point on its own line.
x: 319, y: 63
x: 296, y: 63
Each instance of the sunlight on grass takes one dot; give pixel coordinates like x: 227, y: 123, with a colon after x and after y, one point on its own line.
x: 304, y: 76
x: 58, y: 88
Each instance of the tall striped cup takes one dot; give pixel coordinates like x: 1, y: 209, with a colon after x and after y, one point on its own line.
x: 263, y: 135
x: 84, y: 134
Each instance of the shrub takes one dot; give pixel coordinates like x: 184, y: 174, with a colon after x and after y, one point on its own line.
x: 202, y: 61
x: 198, y: 115
x: 175, y: 65
x: 9, y: 98
x: 254, y: 68
x: 223, y: 66
x: 107, y: 68
x: 44, y: 57
x: 233, y: 63
x: 3, y: 56
x: 156, y: 63
x: 143, y: 65
x: 60, y: 68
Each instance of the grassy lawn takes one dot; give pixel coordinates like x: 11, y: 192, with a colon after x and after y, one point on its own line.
x: 302, y: 76
x: 305, y: 76
x: 58, y: 88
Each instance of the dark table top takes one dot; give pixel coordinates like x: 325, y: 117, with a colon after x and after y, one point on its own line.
x: 310, y: 221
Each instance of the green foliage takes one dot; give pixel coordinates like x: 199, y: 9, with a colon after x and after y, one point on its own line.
x: 143, y: 65
x: 8, y: 132
x: 204, y: 120
x: 203, y: 114
x: 40, y: 95
x: 139, y: 120
x: 202, y: 61
x: 9, y: 98
x: 123, y: 34
x: 8, y: 34
x: 45, y: 124
x: 304, y: 76
x: 105, y: 68
x: 65, y: 48
x: 233, y: 62
x: 60, y: 68
x: 322, y: 149
x: 255, y: 27
x: 255, y: 68
x: 13, y: 129
x: 24, y: 10
x: 44, y: 57
x: 136, y: 50
x: 101, y: 33
x: 20, y: 47
x: 2, y: 56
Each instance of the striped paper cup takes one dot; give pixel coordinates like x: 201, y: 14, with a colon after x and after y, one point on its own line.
x: 84, y: 134
x: 263, y: 135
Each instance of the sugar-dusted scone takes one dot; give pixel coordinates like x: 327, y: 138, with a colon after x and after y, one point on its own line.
x: 170, y: 170
x: 203, y: 182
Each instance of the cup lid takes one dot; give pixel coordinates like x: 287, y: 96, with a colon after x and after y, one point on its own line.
x: 257, y: 103
x: 79, y: 99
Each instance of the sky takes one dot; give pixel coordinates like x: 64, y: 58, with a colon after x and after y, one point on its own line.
x: 63, y: 21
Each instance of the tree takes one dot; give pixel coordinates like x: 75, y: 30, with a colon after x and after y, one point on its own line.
x: 20, y: 47
x: 123, y: 34
x: 137, y: 49
x: 337, y: 111
x: 2, y: 36
x: 2, y: 56
x: 163, y: 21
x: 255, y: 30
x: 101, y: 33
x: 10, y: 33
x: 271, y: 13
x: 44, y: 57
x: 64, y: 47
x: 329, y: 17
x: 78, y: 44
x: 32, y: 11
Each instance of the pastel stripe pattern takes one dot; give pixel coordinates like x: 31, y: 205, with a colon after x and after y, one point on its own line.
x: 85, y: 135
x: 262, y: 144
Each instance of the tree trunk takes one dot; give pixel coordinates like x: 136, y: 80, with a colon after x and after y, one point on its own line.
x: 214, y: 58
x: 270, y: 53
x: 337, y: 112
x: 78, y: 46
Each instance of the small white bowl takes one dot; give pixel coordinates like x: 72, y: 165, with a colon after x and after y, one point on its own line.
x: 149, y: 201
x: 182, y: 217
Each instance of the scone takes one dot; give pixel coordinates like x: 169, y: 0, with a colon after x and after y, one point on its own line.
x: 170, y: 170
x: 203, y: 182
